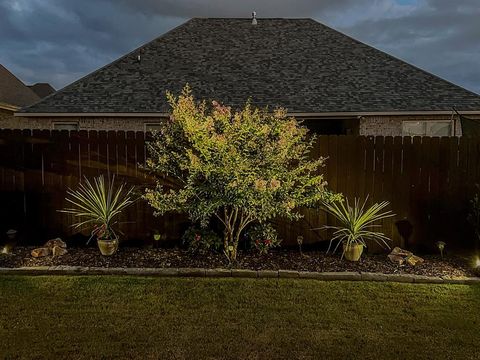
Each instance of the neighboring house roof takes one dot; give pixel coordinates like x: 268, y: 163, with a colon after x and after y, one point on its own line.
x: 42, y: 89
x: 13, y: 91
x: 298, y: 64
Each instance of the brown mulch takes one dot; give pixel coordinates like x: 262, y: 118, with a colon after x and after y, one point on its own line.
x: 452, y: 265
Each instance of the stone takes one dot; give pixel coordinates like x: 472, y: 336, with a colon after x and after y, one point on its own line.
x: 414, y: 260
x: 403, y: 278
x: 218, y: 273
x: 339, y: 276
x: 59, y: 251
x: 41, y: 252
x: 310, y: 275
x: 401, y: 252
x: 244, y: 273
x: 400, y: 256
x: 422, y: 279
x: 396, y: 259
x: 288, y: 274
x: 55, y: 242
x: 191, y: 272
x: 166, y: 272
x: 365, y: 276
x: 472, y: 281
x: 267, y: 274
x: 455, y: 279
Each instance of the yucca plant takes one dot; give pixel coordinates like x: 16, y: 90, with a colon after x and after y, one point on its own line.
x: 357, y: 223
x: 98, y: 204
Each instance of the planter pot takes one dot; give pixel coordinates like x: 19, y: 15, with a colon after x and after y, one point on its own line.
x: 107, y: 247
x: 353, y: 252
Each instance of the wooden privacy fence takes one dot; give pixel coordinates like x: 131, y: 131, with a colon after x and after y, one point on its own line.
x: 428, y: 181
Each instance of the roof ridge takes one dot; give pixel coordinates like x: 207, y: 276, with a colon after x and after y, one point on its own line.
x: 250, y: 18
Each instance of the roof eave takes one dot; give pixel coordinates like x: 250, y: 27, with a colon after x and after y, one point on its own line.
x: 96, y: 114
x: 297, y: 114
x: 9, y: 107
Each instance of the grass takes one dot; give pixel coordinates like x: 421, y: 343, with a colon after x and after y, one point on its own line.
x: 152, y: 318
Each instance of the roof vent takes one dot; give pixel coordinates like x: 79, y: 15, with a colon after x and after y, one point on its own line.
x: 254, y: 18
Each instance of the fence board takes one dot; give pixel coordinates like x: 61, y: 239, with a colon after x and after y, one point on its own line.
x: 427, y: 180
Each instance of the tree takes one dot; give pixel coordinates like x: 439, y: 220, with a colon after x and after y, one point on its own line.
x: 238, y: 166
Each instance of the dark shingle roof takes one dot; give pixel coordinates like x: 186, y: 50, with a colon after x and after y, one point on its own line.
x: 13, y: 91
x: 42, y: 89
x: 299, y: 64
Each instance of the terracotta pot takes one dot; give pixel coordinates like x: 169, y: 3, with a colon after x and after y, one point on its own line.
x: 353, y: 252
x: 107, y: 247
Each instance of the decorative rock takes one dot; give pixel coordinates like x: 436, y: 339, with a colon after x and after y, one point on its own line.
x: 414, y: 260
x: 400, y: 256
x: 396, y: 259
x: 55, y: 242
x: 401, y: 252
x: 58, y: 251
x: 41, y: 252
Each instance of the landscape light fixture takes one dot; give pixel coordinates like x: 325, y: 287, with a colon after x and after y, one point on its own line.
x: 254, y: 18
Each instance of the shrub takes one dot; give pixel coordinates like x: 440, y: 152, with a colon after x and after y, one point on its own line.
x: 263, y: 237
x: 238, y: 166
x: 197, y: 240
x: 357, y: 223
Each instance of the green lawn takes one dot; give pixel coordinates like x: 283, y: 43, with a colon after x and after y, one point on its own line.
x: 152, y: 318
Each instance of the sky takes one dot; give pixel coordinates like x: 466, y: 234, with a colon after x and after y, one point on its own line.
x: 60, y: 41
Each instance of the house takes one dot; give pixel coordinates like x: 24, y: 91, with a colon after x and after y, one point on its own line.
x: 14, y: 94
x: 336, y: 84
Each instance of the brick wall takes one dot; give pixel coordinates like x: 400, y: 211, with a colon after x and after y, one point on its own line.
x: 6, y: 116
x: 84, y: 123
x: 392, y: 125
x: 368, y: 125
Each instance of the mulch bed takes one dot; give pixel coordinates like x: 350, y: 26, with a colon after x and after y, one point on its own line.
x: 451, y: 265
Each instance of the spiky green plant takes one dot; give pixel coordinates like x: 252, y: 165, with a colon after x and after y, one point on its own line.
x: 357, y: 223
x: 98, y: 204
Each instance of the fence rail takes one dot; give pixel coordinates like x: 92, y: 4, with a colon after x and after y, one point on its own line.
x: 428, y: 182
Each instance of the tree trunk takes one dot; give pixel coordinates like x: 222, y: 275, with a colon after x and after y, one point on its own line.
x: 235, y: 221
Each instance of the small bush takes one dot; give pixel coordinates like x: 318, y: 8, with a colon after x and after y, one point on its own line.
x: 197, y: 240
x: 264, y: 237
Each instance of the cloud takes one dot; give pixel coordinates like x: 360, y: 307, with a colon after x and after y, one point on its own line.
x: 437, y: 35
x: 59, y: 41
